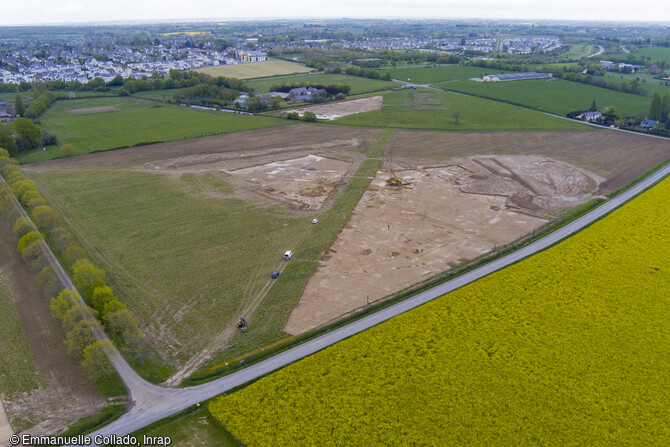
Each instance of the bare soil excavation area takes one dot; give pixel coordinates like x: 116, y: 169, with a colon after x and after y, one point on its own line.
x: 437, y: 218
x: 345, y: 108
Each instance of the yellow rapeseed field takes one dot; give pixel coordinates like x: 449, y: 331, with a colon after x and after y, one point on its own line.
x: 569, y: 347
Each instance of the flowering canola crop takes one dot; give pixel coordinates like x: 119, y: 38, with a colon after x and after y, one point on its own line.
x: 568, y: 347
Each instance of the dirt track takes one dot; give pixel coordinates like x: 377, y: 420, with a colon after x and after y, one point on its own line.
x: 68, y: 395
x: 401, y: 235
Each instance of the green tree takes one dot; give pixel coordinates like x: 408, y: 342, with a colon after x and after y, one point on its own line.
x: 96, y: 360
x: 80, y: 336
x: 29, y: 130
x: 19, y: 108
x: 6, y: 141
x: 86, y: 275
x: 665, y: 107
x: 22, y: 226
x: 73, y: 254
x: 28, y: 239
x: 67, y: 149
x: 62, y: 303
x: 121, y: 321
x: 456, y: 114
x: 46, y: 217
x: 309, y: 116
x: 656, y: 108
x: 100, y: 296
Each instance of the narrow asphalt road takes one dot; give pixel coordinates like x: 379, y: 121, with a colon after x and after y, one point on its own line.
x: 169, y: 401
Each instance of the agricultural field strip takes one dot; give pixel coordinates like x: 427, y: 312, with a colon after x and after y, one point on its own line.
x: 140, y: 417
x: 140, y: 390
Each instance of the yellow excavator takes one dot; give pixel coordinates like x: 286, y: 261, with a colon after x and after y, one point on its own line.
x: 395, y: 180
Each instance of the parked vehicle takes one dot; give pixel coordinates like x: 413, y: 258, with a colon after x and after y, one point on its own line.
x: 275, y: 275
x: 288, y: 255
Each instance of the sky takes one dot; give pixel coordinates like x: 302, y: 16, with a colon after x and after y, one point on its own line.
x: 22, y: 12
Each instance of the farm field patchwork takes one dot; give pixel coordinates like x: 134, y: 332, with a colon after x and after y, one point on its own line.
x: 358, y: 84
x: 434, y: 109
x: 188, y: 237
x: 431, y: 75
x: 566, y: 347
x: 255, y: 70
x: 137, y: 125
x: 556, y: 96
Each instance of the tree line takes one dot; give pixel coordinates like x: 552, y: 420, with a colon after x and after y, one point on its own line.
x: 102, y: 309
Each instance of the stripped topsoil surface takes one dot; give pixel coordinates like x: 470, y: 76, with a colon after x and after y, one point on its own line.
x: 344, y: 108
x: 67, y: 394
x: 436, y: 218
x: 618, y: 156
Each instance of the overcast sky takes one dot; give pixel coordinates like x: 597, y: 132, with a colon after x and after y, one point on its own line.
x: 20, y: 12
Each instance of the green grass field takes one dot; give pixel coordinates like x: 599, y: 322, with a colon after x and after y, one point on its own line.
x: 66, y: 108
x: 195, y: 429
x: 17, y: 369
x: 556, y: 96
x: 138, y: 123
x: 431, y: 75
x: 655, y: 53
x: 187, y: 263
x: 157, y: 95
x: 256, y: 70
x: 358, y: 84
x: 647, y: 81
x: 433, y: 109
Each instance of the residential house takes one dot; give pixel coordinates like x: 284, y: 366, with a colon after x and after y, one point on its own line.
x: 590, y: 116
x: 648, y: 124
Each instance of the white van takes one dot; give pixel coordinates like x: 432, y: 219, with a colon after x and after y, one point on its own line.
x: 288, y: 255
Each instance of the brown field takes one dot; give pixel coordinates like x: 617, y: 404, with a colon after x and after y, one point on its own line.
x: 89, y: 110
x: 229, y: 151
x: 67, y: 394
x: 441, y: 216
x: 256, y: 69
x: 344, y: 108
x: 617, y: 156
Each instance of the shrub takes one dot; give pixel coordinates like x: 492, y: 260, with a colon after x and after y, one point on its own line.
x: 67, y: 150
x: 309, y: 116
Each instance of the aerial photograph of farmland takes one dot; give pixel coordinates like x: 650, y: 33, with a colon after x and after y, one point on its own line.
x: 334, y: 224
